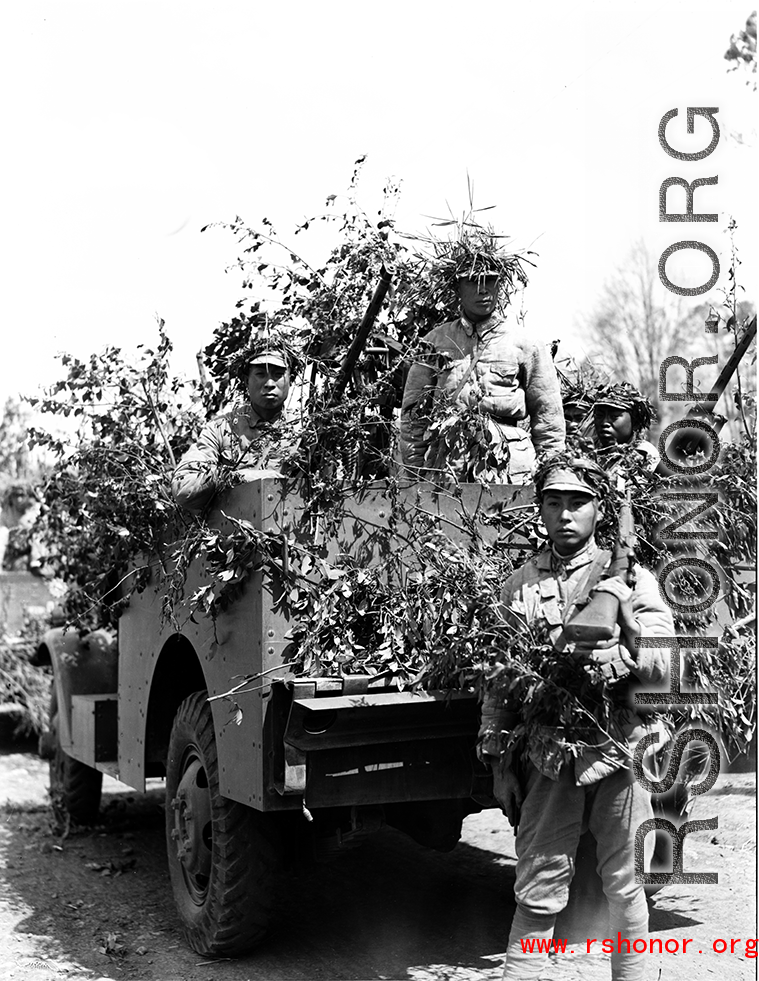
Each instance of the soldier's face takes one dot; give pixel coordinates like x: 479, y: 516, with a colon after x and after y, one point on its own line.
x: 574, y: 416
x: 612, y: 425
x: 570, y: 519
x: 478, y: 297
x: 268, y: 388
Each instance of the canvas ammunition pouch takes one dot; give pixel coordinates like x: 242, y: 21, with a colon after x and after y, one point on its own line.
x: 605, y: 655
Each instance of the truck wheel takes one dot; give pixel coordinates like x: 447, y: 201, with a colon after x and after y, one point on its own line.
x: 75, y: 788
x: 223, y: 856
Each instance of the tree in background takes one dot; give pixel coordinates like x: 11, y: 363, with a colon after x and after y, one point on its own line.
x: 17, y: 465
x: 742, y: 51
x: 21, y: 470
x: 638, y: 323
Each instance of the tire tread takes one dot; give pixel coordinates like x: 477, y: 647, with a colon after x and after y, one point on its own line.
x: 246, y: 849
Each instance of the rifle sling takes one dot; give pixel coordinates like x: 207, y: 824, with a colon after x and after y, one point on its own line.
x: 466, y: 376
x: 582, y: 591
x: 440, y: 454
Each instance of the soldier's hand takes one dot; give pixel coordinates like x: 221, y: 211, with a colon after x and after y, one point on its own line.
x: 476, y: 400
x: 486, y: 756
x: 507, y: 792
x: 625, y: 618
x: 606, y: 656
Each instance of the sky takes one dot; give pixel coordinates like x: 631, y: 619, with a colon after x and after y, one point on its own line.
x: 129, y: 126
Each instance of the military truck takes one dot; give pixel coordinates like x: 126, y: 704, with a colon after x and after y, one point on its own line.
x: 306, y: 765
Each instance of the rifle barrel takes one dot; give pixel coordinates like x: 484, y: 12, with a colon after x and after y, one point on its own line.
x: 362, y: 334
x: 686, y: 443
x: 728, y: 370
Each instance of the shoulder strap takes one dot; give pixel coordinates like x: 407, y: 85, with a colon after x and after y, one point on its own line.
x: 467, y: 375
x: 588, y: 583
x: 440, y: 452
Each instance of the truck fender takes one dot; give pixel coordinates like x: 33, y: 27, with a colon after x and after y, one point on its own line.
x: 83, y: 664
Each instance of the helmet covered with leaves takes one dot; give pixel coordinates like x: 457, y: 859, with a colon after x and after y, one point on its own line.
x: 625, y: 396
x: 578, y: 400
x: 577, y: 404
x: 477, y: 251
x: 471, y: 250
x: 266, y: 347
x: 576, y: 393
x: 570, y: 471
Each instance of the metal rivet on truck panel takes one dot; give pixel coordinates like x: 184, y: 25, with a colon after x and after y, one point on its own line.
x: 271, y: 633
x: 382, y: 514
x: 270, y: 650
x: 269, y: 497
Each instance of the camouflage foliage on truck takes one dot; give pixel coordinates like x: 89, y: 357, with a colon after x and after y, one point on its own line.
x: 423, y: 614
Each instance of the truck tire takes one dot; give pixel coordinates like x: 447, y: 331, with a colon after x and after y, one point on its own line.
x: 224, y: 857
x: 75, y: 788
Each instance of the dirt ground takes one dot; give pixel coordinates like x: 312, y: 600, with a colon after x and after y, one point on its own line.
x: 97, y: 904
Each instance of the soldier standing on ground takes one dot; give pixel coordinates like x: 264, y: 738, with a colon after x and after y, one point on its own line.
x: 489, y: 366
x: 549, y: 793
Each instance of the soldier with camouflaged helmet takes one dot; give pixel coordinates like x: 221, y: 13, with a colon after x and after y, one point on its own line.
x: 621, y: 417
x: 551, y: 791
x: 487, y: 364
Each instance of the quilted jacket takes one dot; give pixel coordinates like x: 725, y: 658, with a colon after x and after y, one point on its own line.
x: 238, y: 440
x: 505, y: 373
x: 543, y: 589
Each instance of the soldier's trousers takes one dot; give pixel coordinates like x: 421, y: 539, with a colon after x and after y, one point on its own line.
x: 554, y: 814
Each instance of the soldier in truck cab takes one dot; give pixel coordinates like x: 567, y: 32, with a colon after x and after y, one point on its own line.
x: 245, y: 441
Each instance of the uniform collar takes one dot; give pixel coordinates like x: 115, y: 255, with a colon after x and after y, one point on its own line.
x: 255, y: 420
x: 481, y: 328
x: 577, y: 559
x: 549, y: 559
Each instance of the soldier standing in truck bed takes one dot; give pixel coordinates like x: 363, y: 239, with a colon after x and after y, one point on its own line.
x: 621, y: 418
x: 247, y: 440
x: 491, y: 365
